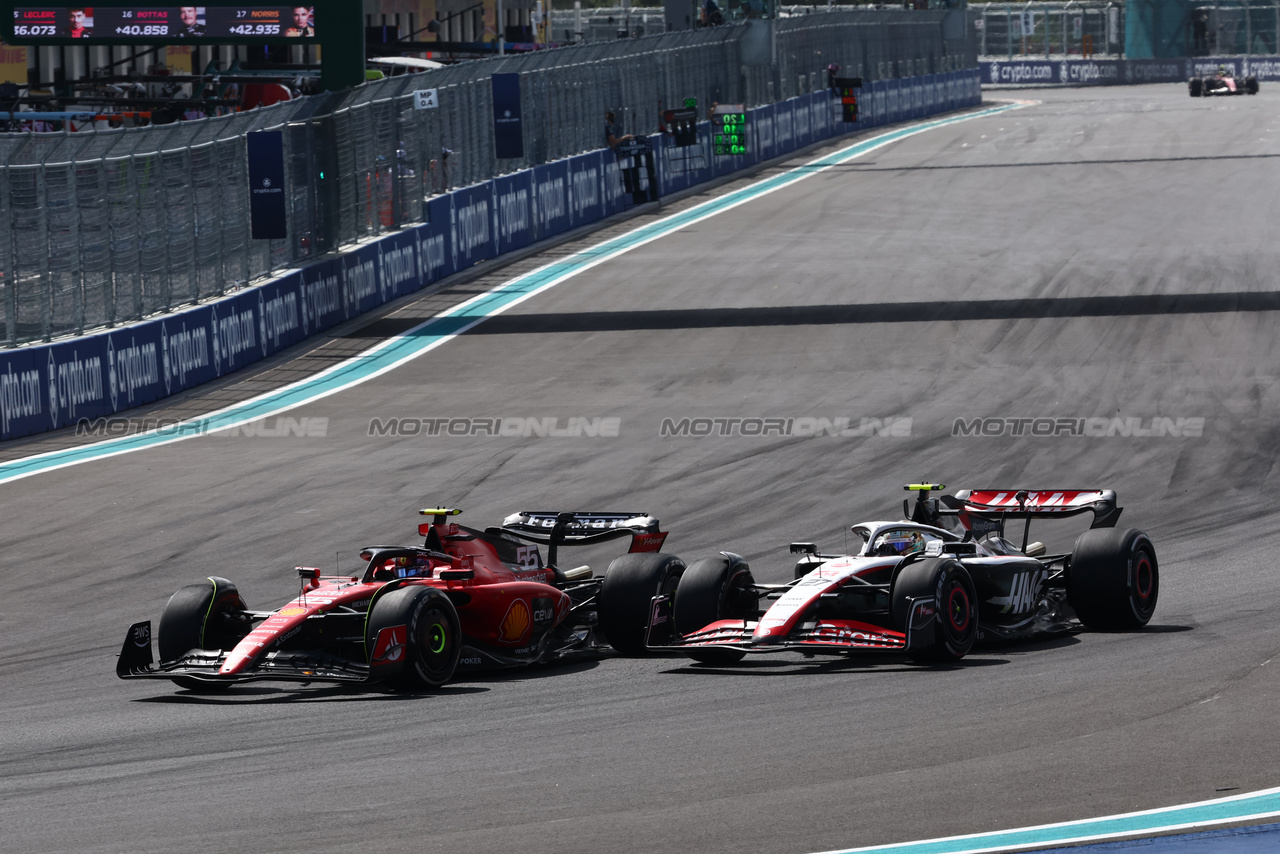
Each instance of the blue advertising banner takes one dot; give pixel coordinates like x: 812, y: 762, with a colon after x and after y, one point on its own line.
x: 551, y: 199
x: 612, y: 192
x: 360, y: 280
x: 234, y: 328
x: 586, y: 198
x: 280, y: 313
x: 399, y: 271
x: 513, y: 200
x: 508, y: 130
x: 186, y: 349
x: 435, y: 251
x: 801, y: 119
x: 320, y: 289
x: 473, y: 221
x: 266, y: 185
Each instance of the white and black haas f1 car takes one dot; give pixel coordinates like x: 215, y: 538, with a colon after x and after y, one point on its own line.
x: 466, y: 599
x: 1222, y: 83
x: 929, y: 586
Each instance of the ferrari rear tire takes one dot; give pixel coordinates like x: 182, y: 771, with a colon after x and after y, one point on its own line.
x: 432, y: 636
x: 955, y: 625
x: 1113, y: 582
x: 629, y: 585
x: 1195, y: 84
x: 714, y: 589
x: 207, y: 615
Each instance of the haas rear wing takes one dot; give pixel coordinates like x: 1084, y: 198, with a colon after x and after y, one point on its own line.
x: 581, y: 529
x: 982, y: 510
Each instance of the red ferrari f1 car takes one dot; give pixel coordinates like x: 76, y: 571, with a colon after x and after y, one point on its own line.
x: 465, y: 599
x: 930, y: 585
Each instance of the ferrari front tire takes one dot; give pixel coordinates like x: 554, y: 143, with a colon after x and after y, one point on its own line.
x: 1113, y: 581
x: 627, y: 592
x: 714, y: 589
x: 207, y: 615
x: 432, y: 637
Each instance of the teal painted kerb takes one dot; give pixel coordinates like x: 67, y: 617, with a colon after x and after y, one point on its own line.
x: 1247, y: 807
x: 431, y: 333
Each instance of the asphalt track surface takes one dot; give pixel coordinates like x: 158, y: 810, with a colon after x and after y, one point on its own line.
x: 929, y: 281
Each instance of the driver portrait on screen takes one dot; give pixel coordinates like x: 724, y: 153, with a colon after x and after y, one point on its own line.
x: 301, y: 23
x: 191, y: 26
x: 81, y: 22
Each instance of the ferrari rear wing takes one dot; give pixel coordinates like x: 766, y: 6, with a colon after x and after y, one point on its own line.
x: 554, y: 529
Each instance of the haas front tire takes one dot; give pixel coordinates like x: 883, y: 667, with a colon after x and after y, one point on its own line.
x: 207, y: 615
x: 955, y: 624
x: 421, y: 647
x: 1195, y: 84
x: 717, y: 588
x: 1114, y: 579
x: 627, y: 592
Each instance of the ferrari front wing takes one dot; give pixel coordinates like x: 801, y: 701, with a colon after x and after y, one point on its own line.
x: 136, y: 662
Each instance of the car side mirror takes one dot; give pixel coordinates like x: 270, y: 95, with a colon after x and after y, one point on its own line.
x: 804, y: 548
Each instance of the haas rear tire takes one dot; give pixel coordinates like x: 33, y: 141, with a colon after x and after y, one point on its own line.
x: 714, y: 589
x: 955, y: 624
x: 1114, y: 579
x: 431, y: 640
x: 207, y: 615
x: 626, y: 593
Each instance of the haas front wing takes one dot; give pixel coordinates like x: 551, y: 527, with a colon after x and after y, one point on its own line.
x: 756, y: 636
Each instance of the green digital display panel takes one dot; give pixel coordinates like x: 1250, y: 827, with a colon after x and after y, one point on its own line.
x: 729, y: 130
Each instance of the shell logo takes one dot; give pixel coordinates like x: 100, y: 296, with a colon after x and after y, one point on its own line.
x: 516, y: 623
x: 291, y: 612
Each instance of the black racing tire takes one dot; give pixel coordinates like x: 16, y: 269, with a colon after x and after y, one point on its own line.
x: 1195, y: 84
x: 433, y: 635
x: 630, y: 583
x: 956, y: 610
x: 206, y: 615
x: 714, y: 589
x: 1113, y: 581
x: 1251, y: 85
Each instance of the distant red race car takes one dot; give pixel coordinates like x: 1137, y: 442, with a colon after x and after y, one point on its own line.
x: 929, y: 585
x: 465, y: 599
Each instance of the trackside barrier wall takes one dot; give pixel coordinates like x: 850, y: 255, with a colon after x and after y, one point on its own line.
x: 1105, y: 72
x: 110, y: 226
x: 56, y: 385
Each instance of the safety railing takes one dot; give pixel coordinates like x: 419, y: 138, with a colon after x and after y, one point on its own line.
x: 1040, y: 29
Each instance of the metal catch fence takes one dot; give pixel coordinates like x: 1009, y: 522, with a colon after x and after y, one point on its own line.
x: 1050, y: 29
x: 106, y: 227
